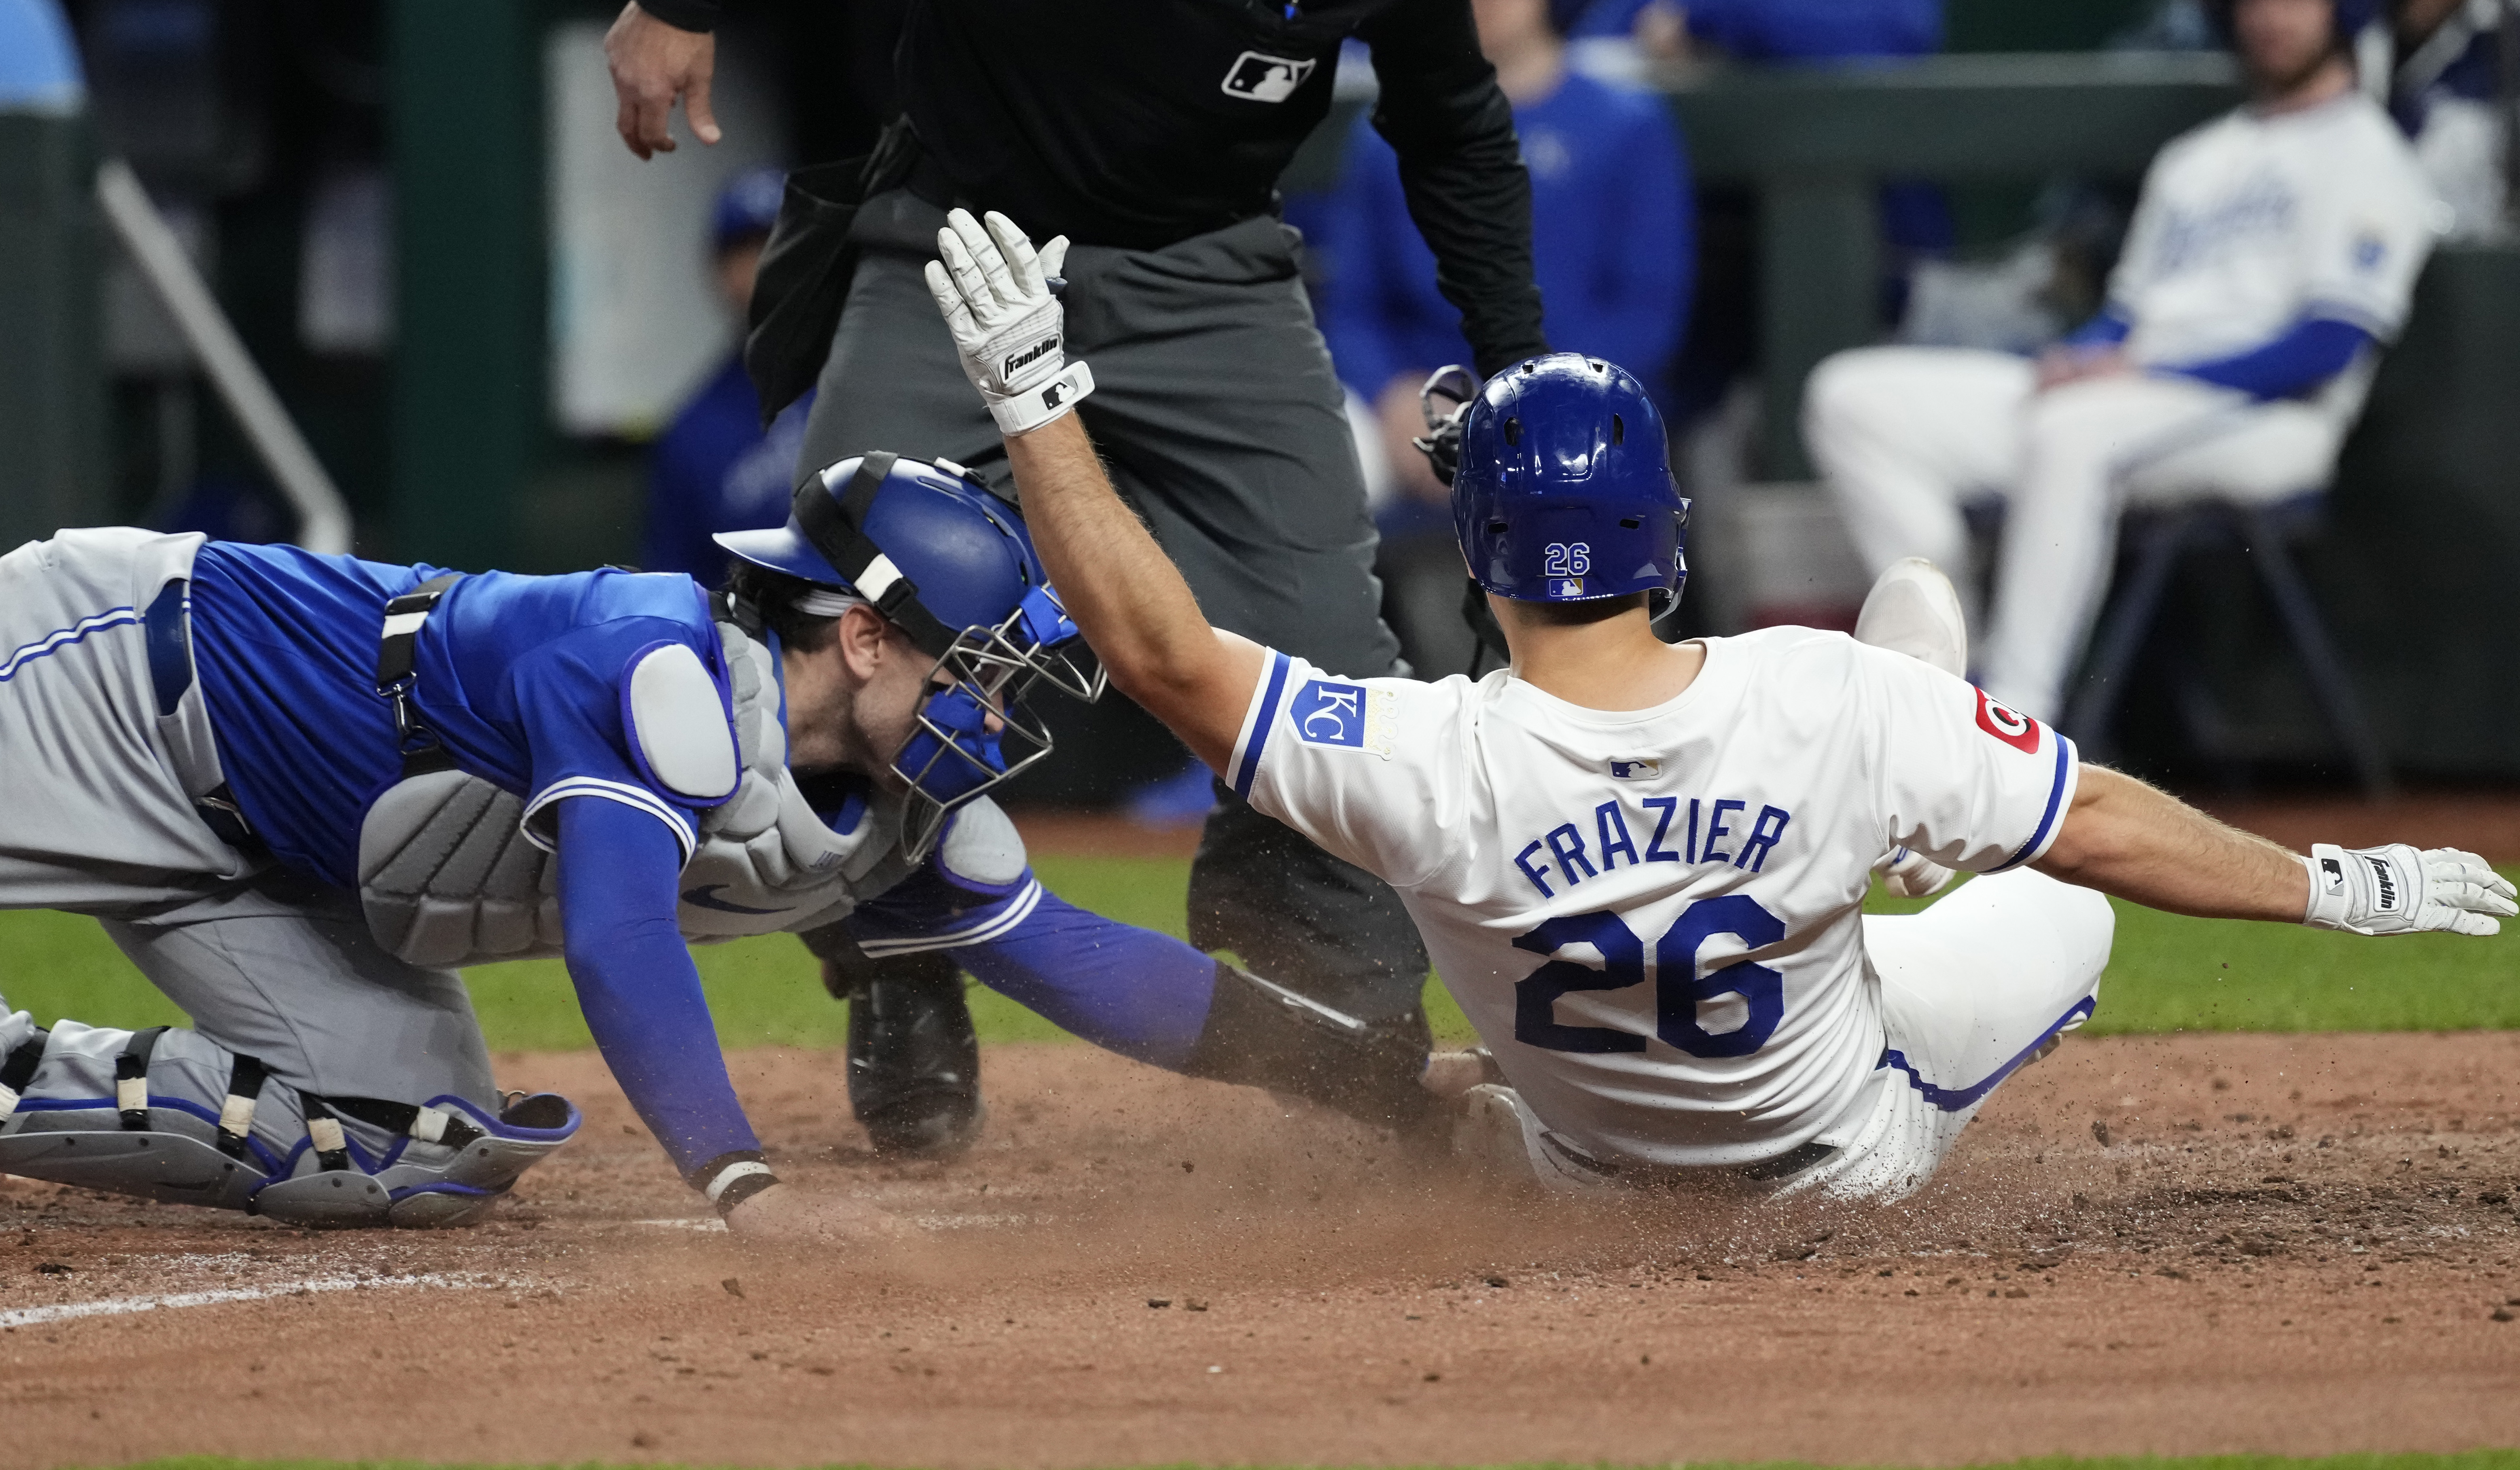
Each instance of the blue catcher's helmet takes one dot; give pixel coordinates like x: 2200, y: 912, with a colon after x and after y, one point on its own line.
x: 952, y: 566
x: 1564, y: 492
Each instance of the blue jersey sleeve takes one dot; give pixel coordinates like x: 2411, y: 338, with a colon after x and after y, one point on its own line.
x: 2109, y: 328
x: 1652, y: 223
x: 1130, y: 990
x: 1366, y: 316
x: 2296, y: 362
x: 636, y: 982
x: 568, y: 697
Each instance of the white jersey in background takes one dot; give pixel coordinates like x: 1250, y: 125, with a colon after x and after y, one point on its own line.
x: 1654, y: 917
x: 2253, y: 221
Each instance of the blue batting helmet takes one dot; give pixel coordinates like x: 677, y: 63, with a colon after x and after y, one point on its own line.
x: 1564, y: 492
x: 952, y: 566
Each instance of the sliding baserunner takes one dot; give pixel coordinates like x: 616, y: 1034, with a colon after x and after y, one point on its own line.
x: 1641, y: 866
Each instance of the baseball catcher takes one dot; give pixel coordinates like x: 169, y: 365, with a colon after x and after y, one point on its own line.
x: 300, y: 791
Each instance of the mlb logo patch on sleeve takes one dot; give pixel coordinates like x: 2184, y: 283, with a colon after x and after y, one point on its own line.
x: 2018, y: 731
x: 1324, y: 713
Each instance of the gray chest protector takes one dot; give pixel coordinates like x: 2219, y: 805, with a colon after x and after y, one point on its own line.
x: 452, y: 872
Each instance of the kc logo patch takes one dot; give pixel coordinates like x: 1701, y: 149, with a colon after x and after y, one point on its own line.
x: 2018, y: 731
x: 1329, y: 714
x: 1343, y: 714
x: 1256, y: 77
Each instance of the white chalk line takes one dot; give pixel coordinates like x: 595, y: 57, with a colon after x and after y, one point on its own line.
x: 713, y: 1225
x: 32, y: 1316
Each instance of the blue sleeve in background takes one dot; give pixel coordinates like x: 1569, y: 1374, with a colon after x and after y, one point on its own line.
x: 636, y: 982
x: 1367, y: 220
x: 2307, y: 354
x: 2107, y: 330
x: 1125, y: 989
x: 1818, y: 29
x: 1654, y: 261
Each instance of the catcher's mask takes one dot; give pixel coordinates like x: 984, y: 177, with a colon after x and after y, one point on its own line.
x: 950, y: 565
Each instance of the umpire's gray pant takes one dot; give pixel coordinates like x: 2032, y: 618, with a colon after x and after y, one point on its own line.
x: 1217, y: 410
x: 97, y: 818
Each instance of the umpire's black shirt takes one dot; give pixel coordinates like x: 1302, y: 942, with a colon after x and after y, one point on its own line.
x: 1137, y: 123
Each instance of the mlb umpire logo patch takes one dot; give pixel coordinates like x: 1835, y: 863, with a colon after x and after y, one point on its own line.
x: 1256, y: 77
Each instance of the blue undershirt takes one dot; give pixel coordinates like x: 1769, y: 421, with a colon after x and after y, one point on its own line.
x: 635, y: 983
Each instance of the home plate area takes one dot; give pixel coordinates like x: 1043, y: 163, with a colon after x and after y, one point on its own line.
x: 2180, y: 1244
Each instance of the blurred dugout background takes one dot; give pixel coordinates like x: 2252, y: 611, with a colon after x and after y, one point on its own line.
x: 480, y: 310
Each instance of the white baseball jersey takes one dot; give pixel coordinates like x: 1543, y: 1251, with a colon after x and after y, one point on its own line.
x: 2251, y: 221
x: 1652, y: 917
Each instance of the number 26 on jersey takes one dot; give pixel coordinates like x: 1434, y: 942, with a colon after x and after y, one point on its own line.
x: 1679, y: 990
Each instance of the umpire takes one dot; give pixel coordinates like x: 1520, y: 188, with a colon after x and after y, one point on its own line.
x: 1151, y: 133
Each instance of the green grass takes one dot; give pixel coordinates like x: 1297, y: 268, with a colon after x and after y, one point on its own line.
x: 2471, y: 1459
x: 2166, y: 974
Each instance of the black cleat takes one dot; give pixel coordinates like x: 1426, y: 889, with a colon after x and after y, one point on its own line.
x: 914, y: 1058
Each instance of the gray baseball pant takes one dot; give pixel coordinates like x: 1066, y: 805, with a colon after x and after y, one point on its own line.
x: 1217, y: 410
x: 98, y: 819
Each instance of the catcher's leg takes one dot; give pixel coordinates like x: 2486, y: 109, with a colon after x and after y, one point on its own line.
x: 1330, y: 931
x: 325, y: 1083
x: 914, y: 1056
x: 170, y: 1115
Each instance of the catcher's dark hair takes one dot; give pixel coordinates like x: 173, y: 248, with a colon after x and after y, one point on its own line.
x: 773, y: 596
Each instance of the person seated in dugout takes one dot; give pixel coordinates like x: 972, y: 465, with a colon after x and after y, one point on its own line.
x: 300, y: 791
x: 2273, y: 252
x: 1641, y: 866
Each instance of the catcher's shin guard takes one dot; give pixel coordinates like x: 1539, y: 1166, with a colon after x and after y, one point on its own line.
x: 170, y: 1115
x: 447, y: 1163
x: 129, y: 1112
x: 1261, y: 1034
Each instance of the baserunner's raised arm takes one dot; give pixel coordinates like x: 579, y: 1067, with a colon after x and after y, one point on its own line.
x: 1125, y: 594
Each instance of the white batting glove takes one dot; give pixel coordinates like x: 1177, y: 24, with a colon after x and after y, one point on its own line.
x: 2398, y: 890
x: 1010, y: 329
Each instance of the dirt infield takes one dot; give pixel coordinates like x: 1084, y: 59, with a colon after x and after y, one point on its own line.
x: 2282, y: 1244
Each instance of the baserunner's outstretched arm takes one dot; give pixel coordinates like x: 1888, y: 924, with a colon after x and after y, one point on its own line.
x: 2126, y: 838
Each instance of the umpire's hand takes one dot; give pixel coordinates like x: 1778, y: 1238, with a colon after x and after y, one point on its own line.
x: 652, y: 64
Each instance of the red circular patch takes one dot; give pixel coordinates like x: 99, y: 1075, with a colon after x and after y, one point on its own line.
x: 2018, y: 731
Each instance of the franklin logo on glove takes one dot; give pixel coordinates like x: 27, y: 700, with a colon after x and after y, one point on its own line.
x: 1028, y: 356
